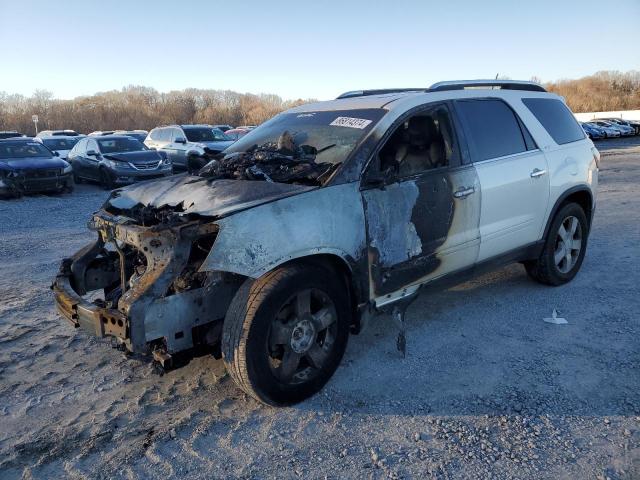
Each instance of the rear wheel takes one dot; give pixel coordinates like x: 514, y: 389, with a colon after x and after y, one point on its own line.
x: 285, y: 333
x: 564, y: 247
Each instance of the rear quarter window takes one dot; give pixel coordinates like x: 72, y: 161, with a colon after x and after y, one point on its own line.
x: 492, y: 128
x: 556, y: 118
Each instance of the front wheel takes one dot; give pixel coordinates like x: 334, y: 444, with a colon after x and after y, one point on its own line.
x: 285, y: 333
x: 106, y: 180
x: 564, y: 247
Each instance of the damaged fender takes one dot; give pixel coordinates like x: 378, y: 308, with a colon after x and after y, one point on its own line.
x: 325, y: 221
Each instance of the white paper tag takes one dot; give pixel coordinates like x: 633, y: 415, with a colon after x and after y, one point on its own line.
x: 351, y: 122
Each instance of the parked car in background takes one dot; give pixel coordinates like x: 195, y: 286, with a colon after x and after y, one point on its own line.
x: 61, y: 144
x: 592, y: 131
x: 116, y: 160
x: 139, y: 135
x: 623, y: 129
x: 27, y: 166
x: 247, y: 127
x: 10, y: 134
x: 236, y: 133
x: 52, y: 133
x: 609, y: 131
x: 626, y: 123
x: 331, y: 212
x: 189, y: 147
x: 224, y: 128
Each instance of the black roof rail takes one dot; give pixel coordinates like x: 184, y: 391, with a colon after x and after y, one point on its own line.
x: 497, y: 84
x: 452, y: 85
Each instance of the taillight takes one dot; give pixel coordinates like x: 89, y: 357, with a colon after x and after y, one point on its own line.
x: 596, y: 156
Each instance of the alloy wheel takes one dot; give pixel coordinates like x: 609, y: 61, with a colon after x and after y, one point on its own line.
x: 568, y: 244
x: 301, y: 336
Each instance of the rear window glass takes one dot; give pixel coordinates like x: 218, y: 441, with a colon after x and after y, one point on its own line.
x: 492, y: 127
x: 556, y: 118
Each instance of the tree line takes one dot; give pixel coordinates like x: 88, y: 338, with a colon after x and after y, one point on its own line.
x: 602, y: 92
x: 143, y: 107
x: 137, y: 107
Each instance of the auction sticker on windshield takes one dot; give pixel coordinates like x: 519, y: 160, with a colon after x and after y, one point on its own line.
x: 351, y: 122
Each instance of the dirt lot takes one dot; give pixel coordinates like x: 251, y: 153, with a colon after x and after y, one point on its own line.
x: 488, y: 390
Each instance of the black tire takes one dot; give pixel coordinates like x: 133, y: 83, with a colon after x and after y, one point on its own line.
x: 247, y: 342
x: 194, y: 164
x: 106, y: 180
x: 544, y: 269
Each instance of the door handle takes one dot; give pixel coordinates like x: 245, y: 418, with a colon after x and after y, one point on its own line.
x: 537, y: 173
x: 464, y: 192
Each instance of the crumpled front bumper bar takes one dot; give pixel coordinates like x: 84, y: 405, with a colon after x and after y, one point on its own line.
x: 96, y: 320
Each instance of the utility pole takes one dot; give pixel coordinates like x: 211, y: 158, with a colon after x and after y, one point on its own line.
x: 34, y: 118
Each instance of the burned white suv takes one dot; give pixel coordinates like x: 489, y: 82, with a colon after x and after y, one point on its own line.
x: 329, y: 212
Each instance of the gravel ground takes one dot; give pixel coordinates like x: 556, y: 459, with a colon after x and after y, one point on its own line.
x: 488, y: 390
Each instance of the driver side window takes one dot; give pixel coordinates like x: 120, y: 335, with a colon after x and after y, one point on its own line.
x: 423, y: 142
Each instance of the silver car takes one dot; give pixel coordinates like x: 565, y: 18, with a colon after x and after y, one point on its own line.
x: 189, y: 147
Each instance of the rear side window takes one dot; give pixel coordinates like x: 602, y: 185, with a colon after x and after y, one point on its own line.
x: 492, y: 127
x: 556, y: 118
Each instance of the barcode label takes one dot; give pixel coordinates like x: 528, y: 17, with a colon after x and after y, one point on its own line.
x: 351, y: 122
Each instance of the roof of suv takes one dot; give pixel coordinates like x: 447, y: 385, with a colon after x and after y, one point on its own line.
x: 390, y: 98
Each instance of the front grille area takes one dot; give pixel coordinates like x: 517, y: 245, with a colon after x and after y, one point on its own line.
x: 41, y: 173
x: 145, y: 166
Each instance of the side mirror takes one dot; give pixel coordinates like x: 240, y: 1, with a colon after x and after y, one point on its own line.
x: 180, y: 140
x: 56, y: 154
x: 92, y: 153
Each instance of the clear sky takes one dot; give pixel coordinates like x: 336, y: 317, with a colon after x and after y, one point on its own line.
x: 306, y: 49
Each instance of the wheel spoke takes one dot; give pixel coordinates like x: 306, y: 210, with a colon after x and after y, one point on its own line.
x: 576, y: 244
x: 317, y: 356
x: 573, y: 226
x: 289, y: 365
x: 322, y: 319
x: 563, y: 233
x: 303, y: 303
x: 280, y: 334
x: 559, y: 254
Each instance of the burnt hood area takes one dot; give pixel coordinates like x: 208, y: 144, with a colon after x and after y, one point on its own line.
x: 185, y: 197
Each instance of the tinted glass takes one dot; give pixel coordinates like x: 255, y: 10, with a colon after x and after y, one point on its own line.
x: 120, y: 144
x: 9, y: 149
x: 492, y: 128
x: 556, y: 118
x: 205, y: 134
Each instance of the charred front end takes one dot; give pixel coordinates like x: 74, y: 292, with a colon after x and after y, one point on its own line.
x: 140, y: 282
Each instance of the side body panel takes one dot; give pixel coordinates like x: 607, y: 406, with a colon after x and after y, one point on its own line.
x: 329, y: 220
x: 418, y: 230
x: 513, y: 202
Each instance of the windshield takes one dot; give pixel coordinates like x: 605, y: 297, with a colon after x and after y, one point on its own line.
x: 23, y: 150
x: 60, y: 143
x: 301, y: 148
x: 205, y: 134
x: 117, y: 145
